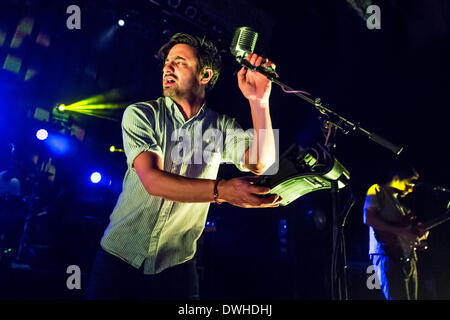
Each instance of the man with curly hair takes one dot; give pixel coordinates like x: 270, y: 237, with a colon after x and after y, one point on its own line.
x: 147, y: 250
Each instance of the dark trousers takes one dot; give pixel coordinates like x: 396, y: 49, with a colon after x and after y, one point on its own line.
x: 112, y: 278
x: 398, y: 279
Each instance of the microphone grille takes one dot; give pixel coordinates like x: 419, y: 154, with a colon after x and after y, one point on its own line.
x: 244, y: 41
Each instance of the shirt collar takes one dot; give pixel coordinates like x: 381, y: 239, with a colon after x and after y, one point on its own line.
x: 176, y: 113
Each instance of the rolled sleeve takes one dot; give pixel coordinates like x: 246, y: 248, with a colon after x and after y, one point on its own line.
x: 139, y: 132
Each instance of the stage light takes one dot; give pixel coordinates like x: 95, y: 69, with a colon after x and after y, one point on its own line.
x: 96, y: 106
x: 42, y: 134
x: 62, y: 107
x: 114, y: 149
x: 121, y: 23
x: 96, y: 177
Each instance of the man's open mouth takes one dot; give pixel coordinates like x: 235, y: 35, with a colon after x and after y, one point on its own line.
x: 169, y: 80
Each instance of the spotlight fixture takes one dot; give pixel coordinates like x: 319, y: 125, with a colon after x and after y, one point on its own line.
x: 42, y: 134
x: 121, y: 23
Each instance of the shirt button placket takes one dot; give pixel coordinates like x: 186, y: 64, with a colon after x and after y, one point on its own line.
x: 154, y: 239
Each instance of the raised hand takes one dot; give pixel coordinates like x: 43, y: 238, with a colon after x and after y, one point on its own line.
x: 254, y: 85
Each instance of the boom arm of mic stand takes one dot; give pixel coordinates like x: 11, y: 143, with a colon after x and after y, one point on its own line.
x: 272, y: 76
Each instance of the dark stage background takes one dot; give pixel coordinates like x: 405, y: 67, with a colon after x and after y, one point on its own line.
x: 394, y: 81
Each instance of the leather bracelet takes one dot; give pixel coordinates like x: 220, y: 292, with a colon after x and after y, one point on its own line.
x: 216, y: 193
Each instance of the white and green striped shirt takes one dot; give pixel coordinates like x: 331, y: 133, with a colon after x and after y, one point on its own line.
x: 147, y: 229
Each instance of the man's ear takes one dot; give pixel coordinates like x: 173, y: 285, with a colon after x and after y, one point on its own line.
x: 206, y: 75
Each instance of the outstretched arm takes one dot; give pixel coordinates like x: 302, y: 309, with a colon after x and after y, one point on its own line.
x: 238, y: 191
x: 256, y: 88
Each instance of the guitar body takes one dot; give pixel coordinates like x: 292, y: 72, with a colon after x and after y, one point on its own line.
x: 398, y: 248
x: 394, y: 245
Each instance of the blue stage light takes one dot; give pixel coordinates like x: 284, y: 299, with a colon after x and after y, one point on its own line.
x: 96, y: 177
x: 42, y: 134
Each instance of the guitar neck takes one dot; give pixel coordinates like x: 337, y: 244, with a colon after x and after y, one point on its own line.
x: 437, y: 221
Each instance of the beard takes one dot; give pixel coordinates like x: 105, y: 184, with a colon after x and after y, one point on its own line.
x: 190, y: 89
x: 170, y: 92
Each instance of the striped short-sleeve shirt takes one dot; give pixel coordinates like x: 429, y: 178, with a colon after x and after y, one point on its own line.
x: 148, y: 229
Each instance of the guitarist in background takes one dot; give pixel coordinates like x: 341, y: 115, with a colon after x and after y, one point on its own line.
x: 385, y: 215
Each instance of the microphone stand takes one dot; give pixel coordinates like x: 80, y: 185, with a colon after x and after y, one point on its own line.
x: 337, y: 120
x: 338, y: 264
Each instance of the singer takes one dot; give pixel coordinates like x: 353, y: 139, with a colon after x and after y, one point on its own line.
x: 148, y: 247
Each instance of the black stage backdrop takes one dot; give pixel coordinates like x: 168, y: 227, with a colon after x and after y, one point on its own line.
x: 393, y: 81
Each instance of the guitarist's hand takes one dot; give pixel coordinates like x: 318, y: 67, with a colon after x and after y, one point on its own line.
x: 421, y: 232
x: 409, y: 234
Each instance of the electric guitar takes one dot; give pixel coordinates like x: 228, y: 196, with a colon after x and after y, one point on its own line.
x: 397, y: 247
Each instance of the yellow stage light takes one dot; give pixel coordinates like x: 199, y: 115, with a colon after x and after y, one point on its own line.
x: 114, y: 149
x: 97, y: 106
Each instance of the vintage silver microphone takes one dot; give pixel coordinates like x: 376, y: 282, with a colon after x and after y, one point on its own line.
x: 243, y: 43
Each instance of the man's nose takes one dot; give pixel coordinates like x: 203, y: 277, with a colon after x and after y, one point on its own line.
x: 168, y: 67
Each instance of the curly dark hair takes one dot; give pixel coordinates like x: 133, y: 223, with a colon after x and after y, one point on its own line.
x: 207, y: 54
